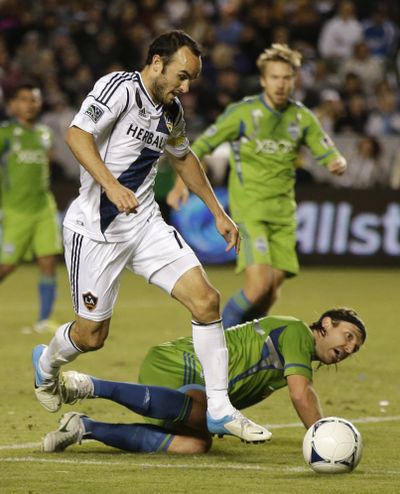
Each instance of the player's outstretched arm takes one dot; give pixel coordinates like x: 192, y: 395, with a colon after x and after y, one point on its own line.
x: 305, y: 399
x: 192, y: 173
x: 83, y: 146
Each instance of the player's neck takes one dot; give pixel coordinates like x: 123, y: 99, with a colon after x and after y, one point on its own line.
x: 148, y: 83
x: 26, y: 123
x: 272, y: 105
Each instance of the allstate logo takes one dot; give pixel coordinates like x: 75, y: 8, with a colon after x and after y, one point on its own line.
x: 197, y: 226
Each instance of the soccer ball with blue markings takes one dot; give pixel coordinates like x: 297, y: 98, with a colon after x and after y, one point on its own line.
x: 332, y: 445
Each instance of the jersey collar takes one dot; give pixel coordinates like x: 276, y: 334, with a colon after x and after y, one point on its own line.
x: 139, y: 80
x: 278, y: 113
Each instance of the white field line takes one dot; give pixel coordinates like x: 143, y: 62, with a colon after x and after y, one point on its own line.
x: 180, y: 466
x: 360, y: 420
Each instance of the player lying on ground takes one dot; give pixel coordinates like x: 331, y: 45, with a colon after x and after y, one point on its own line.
x: 265, y: 355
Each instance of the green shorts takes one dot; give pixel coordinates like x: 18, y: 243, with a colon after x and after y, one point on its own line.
x: 267, y: 243
x: 28, y: 235
x: 173, y: 365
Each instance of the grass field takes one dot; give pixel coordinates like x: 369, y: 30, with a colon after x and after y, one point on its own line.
x: 145, y: 316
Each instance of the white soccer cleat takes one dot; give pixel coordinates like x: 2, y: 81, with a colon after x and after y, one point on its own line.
x: 238, y: 425
x: 75, y: 386
x: 47, y: 391
x: 71, y: 431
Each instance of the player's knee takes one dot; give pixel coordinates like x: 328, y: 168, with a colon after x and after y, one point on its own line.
x: 90, y: 344
x: 206, y: 306
x: 201, y: 446
x: 190, y: 445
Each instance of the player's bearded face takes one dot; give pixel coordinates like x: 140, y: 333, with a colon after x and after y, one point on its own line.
x: 278, y: 82
x: 175, y: 76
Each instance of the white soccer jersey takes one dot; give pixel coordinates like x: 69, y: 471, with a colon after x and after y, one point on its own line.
x: 131, y: 133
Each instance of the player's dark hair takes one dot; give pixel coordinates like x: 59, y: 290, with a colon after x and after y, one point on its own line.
x: 341, y: 314
x: 25, y: 86
x: 168, y: 43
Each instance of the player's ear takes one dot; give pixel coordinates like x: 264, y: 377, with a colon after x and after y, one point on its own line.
x: 157, y: 64
x: 326, y: 323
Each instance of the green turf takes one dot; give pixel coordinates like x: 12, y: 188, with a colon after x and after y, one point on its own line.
x: 145, y: 316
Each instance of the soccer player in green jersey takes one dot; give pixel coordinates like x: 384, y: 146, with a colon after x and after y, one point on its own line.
x: 265, y: 355
x: 265, y: 133
x: 29, y: 214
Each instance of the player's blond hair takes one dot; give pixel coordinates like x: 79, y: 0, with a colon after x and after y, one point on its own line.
x: 279, y: 53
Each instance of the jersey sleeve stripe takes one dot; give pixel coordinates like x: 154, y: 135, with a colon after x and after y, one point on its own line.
x: 288, y: 366
x: 109, y: 84
x: 110, y: 89
x: 323, y: 156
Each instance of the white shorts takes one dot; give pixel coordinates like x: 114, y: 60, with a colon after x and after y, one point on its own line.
x: 158, y: 253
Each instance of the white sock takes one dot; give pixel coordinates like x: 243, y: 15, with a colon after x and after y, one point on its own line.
x: 60, y: 351
x: 210, y: 347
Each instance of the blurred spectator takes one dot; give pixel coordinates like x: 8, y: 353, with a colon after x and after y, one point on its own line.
x: 380, y: 33
x: 28, y: 53
x: 369, y: 68
x: 351, y: 85
x: 177, y: 11
x: 58, y: 118
x: 385, y: 118
x: 229, y: 27
x: 65, y: 46
x: 306, y: 22
x: 394, y: 179
x: 322, y: 77
x: 10, y: 71
x: 341, y: 33
x: 197, y: 22
x: 329, y: 110
x: 364, y: 168
x: 354, y: 117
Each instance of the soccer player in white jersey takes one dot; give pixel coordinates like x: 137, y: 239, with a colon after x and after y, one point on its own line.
x: 126, y: 122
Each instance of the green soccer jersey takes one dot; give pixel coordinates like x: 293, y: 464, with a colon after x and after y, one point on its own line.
x: 262, y: 353
x: 24, y: 166
x: 264, y: 147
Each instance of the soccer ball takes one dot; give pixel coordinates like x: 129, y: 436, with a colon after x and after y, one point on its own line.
x: 332, y: 445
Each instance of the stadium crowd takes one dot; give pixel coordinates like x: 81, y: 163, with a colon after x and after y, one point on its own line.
x: 349, y: 77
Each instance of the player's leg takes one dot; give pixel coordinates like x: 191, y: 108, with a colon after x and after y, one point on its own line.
x: 143, y: 438
x: 150, y: 401
x: 5, y: 270
x: 69, y: 341
x: 94, y: 270
x: 210, y: 347
x: 266, y: 256
x: 167, y: 261
x: 47, y: 288
x: 261, y: 286
x: 46, y: 245
x: 15, y: 240
x: 255, y: 260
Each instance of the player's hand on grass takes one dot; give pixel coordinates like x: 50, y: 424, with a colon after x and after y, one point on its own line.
x: 123, y: 198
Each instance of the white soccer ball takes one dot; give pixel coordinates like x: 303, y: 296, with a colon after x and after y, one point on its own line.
x: 332, y: 445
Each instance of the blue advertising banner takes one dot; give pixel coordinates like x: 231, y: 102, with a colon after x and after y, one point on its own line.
x: 335, y: 227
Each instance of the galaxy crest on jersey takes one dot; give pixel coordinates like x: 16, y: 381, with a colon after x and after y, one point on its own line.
x: 131, y: 133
